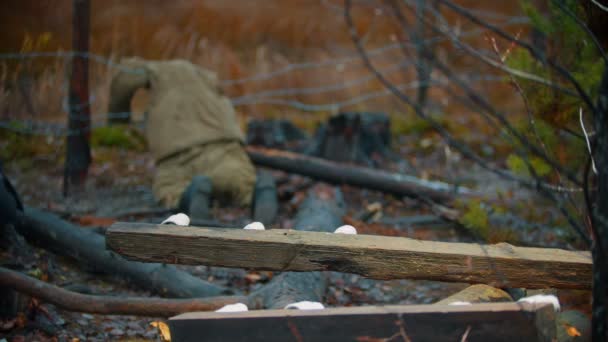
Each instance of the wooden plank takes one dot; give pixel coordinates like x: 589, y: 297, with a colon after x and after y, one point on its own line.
x: 481, y: 322
x: 378, y: 257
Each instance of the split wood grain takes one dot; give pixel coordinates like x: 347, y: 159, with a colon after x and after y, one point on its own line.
x: 437, y: 323
x: 377, y: 257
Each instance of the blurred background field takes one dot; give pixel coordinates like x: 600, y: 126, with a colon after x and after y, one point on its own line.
x: 238, y: 40
x: 275, y: 59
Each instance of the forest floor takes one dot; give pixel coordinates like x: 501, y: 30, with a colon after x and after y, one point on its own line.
x: 120, y: 185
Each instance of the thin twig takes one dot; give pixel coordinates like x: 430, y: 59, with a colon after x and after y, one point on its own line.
x: 580, y: 116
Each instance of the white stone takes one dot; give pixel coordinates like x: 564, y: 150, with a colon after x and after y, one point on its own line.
x: 178, y: 219
x: 346, y: 229
x: 305, y: 305
x: 255, y: 226
x: 238, y: 307
x: 541, y: 299
x: 460, y: 303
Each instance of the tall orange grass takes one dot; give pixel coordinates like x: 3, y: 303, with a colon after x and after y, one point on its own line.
x: 236, y: 39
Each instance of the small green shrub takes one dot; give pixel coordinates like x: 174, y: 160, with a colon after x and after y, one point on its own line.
x: 519, y: 166
x: 118, y: 136
x: 475, y: 219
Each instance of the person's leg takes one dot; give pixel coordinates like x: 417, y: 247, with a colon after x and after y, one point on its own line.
x: 231, y: 172
x: 196, y: 199
x: 265, y: 204
x: 170, y: 181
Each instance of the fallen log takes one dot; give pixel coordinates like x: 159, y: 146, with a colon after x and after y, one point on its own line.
x: 415, y: 221
x: 337, y: 173
x: 322, y: 210
x: 378, y: 257
x: 88, y: 248
x: 438, y: 323
x: 109, y: 305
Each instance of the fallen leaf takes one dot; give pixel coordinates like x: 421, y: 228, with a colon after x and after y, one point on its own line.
x: 21, y: 320
x: 163, y: 328
x: 93, y: 221
x: 253, y: 277
x: 572, y: 331
x: 35, y: 273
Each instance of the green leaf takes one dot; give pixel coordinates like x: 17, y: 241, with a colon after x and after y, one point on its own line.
x: 518, y: 166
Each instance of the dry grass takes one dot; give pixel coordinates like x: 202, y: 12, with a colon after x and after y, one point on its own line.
x: 234, y: 38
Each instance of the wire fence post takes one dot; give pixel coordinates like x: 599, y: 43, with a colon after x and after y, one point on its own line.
x: 78, y: 153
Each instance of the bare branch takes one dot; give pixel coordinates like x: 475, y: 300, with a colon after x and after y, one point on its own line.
x: 538, y: 55
x: 602, y: 7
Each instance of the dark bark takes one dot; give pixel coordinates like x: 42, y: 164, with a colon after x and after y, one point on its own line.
x: 78, y: 157
x: 265, y: 204
x: 89, y: 248
x: 109, y: 305
x: 10, y: 203
x: 423, y: 52
x: 322, y: 210
x: 600, y: 217
x: 275, y: 133
x: 596, y: 20
x: 362, y: 138
x: 337, y: 173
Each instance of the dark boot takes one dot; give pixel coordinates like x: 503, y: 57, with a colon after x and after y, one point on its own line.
x: 196, y: 199
x: 265, y: 204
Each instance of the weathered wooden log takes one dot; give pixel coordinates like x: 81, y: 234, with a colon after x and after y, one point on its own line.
x: 109, y: 305
x: 337, y: 173
x: 478, y: 293
x: 322, y: 210
x: 570, y: 325
x: 379, y: 257
x: 437, y: 323
x: 88, y: 248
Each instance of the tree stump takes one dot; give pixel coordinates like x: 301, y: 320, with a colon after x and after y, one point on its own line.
x: 362, y: 138
x: 282, y: 134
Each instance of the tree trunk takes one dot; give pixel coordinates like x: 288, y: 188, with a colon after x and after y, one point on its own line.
x: 78, y: 157
x: 89, y: 248
x: 322, y: 210
x: 600, y: 216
